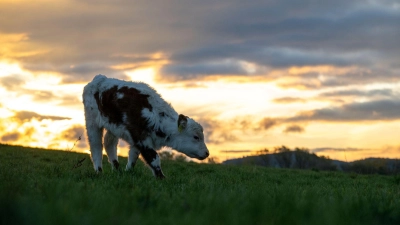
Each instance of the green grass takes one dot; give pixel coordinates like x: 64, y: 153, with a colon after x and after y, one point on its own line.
x: 42, y: 187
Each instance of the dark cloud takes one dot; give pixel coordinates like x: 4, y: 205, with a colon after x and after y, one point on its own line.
x: 77, y: 72
x: 75, y: 134
x: 375, y: 110
x: 379, y: 92
x: 221, y: 131
x: 351, y: 95
x: 236, y: 151
x: 354, y: 76
x: 11, y: 137
x: 42, y: 96
x: 353, y: 92
x: 28, y: 115
x: 216, y: 132
x: 70, y: 101
x: 187, y: 71
x: 288, y: 100
x: 267, y: 123
x: 80, y: 39
x: 343, y: 96
x: 344, y: 35
x: 353, y: 112
x: 324, y: 149
x: 294, y: 129
x: 12, y: 82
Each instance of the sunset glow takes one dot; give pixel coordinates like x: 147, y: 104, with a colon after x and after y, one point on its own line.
x: 257, y: 82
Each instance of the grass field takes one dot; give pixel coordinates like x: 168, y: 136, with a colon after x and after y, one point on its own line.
x: 43, y: 187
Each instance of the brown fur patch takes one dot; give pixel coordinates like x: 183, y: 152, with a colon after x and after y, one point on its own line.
x: 131, y: 104
x: 108, y: 106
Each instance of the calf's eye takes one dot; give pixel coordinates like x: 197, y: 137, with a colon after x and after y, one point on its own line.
x: 196, y: 138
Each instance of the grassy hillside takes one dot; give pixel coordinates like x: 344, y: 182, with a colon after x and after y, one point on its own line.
x: 51, y: 187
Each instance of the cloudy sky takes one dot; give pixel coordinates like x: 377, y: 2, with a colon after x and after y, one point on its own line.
x: 323, y: 75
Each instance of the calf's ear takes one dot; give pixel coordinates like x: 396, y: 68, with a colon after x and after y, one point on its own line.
x: 182, y: 122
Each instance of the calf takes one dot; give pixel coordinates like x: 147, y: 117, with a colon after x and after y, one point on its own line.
x: 136, y: 113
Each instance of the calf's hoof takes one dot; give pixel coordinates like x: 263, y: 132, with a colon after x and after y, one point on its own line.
x: 115, y: 164
x: 159, y: 175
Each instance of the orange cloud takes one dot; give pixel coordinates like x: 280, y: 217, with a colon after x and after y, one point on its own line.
x: 351, y: 154
x: 10, y: 137
x: 294, y: 129
x: 24, y: 116
x: 16, y: 46
x: 75, y: 134
x: 288, y: 100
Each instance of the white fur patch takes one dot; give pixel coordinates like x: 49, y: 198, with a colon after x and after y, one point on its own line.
x: 120, y: 95
x: 156, y: 162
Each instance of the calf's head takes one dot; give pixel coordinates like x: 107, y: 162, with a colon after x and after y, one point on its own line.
x: 190, y: 138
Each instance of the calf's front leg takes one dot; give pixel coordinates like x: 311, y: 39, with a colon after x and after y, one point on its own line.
x: 132, y: 157
x: 152, y: 159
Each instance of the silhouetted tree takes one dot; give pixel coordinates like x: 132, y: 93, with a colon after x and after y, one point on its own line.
x: 281, y: 149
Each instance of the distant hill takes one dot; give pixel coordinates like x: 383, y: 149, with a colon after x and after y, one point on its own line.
x: 302, y: 159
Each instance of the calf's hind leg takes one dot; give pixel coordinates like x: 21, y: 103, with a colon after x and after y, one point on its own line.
x: 95, y: 135
x: 110, y: 144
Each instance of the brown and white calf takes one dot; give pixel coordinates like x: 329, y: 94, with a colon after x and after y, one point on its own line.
x: 136, y: 113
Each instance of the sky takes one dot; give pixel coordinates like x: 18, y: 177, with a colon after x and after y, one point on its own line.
x: 322, y: 75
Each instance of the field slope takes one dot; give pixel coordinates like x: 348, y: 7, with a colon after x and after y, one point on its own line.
x: 52, y: 187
